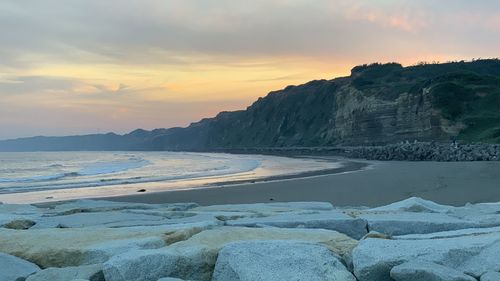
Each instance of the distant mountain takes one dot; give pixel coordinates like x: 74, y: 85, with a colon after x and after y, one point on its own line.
x: 136, y: 140
x: 376, y: 104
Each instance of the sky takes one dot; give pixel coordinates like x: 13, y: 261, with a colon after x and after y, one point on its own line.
x: 93, y: 66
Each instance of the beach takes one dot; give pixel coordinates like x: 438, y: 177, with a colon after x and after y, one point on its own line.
x: 453, y: 183
x: 58, y: 176
x: 340, y: 181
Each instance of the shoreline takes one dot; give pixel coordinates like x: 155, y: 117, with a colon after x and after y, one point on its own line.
x: 452, y: 183
x: 158, y: 197
x: 355, y: 183
x: 274, y: 170
x: 347, y: 166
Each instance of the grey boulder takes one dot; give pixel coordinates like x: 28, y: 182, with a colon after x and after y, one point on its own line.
x: 331, y: 220
x: 278, y: 260
x: 410, y: 223
x: 195, y: 258
x: 87, y: 272
x: 415, y: 205
x: 471, y: 252
x: 428, y: 271
x: 490, y: 276
x: 14, y: 268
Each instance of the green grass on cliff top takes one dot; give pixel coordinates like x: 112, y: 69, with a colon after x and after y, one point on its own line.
x: 465, y: 92
x: 472, y: 100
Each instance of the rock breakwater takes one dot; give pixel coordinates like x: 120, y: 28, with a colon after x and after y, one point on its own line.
x: 113, y: 241
x: 404, y: 151
x: 427, y: 151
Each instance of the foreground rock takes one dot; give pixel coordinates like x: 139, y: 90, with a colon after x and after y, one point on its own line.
x: 278, y: 260
x: 89, y: 272
x: 429, y: 271
x: 418, y: 216
x: 59, y: 247
x: 195, y: 258
x: 490, y: 276
x: 408, y: 223
x: 414, y: 239
x: 332, y: 220
x: 13, y: 268
x: 471, y: 253
x: 414, y: 205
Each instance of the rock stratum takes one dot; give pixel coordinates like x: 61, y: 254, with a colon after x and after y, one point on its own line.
x: 414, y: 239
x: 377, y: 104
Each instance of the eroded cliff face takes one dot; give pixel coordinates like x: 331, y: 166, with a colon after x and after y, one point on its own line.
x: 320, y: 113
x: 367, y: 120
x: 377, y: 104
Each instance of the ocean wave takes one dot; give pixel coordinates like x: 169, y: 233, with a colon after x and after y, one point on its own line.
x: 102, y: 168
x: 39, y: 178
x: 107, y: 172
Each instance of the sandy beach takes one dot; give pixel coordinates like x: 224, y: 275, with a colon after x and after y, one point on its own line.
x: 454, y: 183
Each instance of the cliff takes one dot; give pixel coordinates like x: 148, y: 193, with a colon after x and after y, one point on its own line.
x: 377, y: 104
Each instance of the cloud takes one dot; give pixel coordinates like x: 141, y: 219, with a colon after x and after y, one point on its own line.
x: 180, y: 33
x: 85, y: 62
x: 19, y: 85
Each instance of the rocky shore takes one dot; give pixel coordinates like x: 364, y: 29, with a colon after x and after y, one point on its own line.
x: 427, y: 151
x: 404, y: 151
x: 408, y: 240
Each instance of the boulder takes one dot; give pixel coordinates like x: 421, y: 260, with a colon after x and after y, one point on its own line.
x: 485, y: 214
x: 490, y: 276
x: 88, y: 272
x: 99, y: 219
x: 195, y: 258
x: 417, y: 216
x: 20, y: 224
x: 88, y: 206
x: 416, y: 205
x: 332, y: 220
x: 126, y: 217
x: 8, y: 220
x: 268, y: 208
x: 471, y: 253
x: 19, y: 209
x: 278, y: 260
x: 450, y: 234
x: 409, y: 223
x: 375, y: 234
x: 14, y: 269
x: 170, y: 279
x: 83, y: 246
x: 428, y: 271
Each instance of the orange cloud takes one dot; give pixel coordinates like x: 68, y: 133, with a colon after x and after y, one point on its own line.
x: 397, y: 19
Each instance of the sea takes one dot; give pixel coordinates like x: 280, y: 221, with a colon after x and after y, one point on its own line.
x: 112, y: 172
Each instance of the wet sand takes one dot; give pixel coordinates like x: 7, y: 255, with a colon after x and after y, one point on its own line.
x: 454, y: 183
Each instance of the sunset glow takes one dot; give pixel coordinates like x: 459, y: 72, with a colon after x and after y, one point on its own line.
x: 99, y: 66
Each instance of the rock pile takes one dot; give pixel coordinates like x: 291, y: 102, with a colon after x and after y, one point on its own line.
x: 91, y: 240
x: 427, y: 151
x: 404, y: 151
